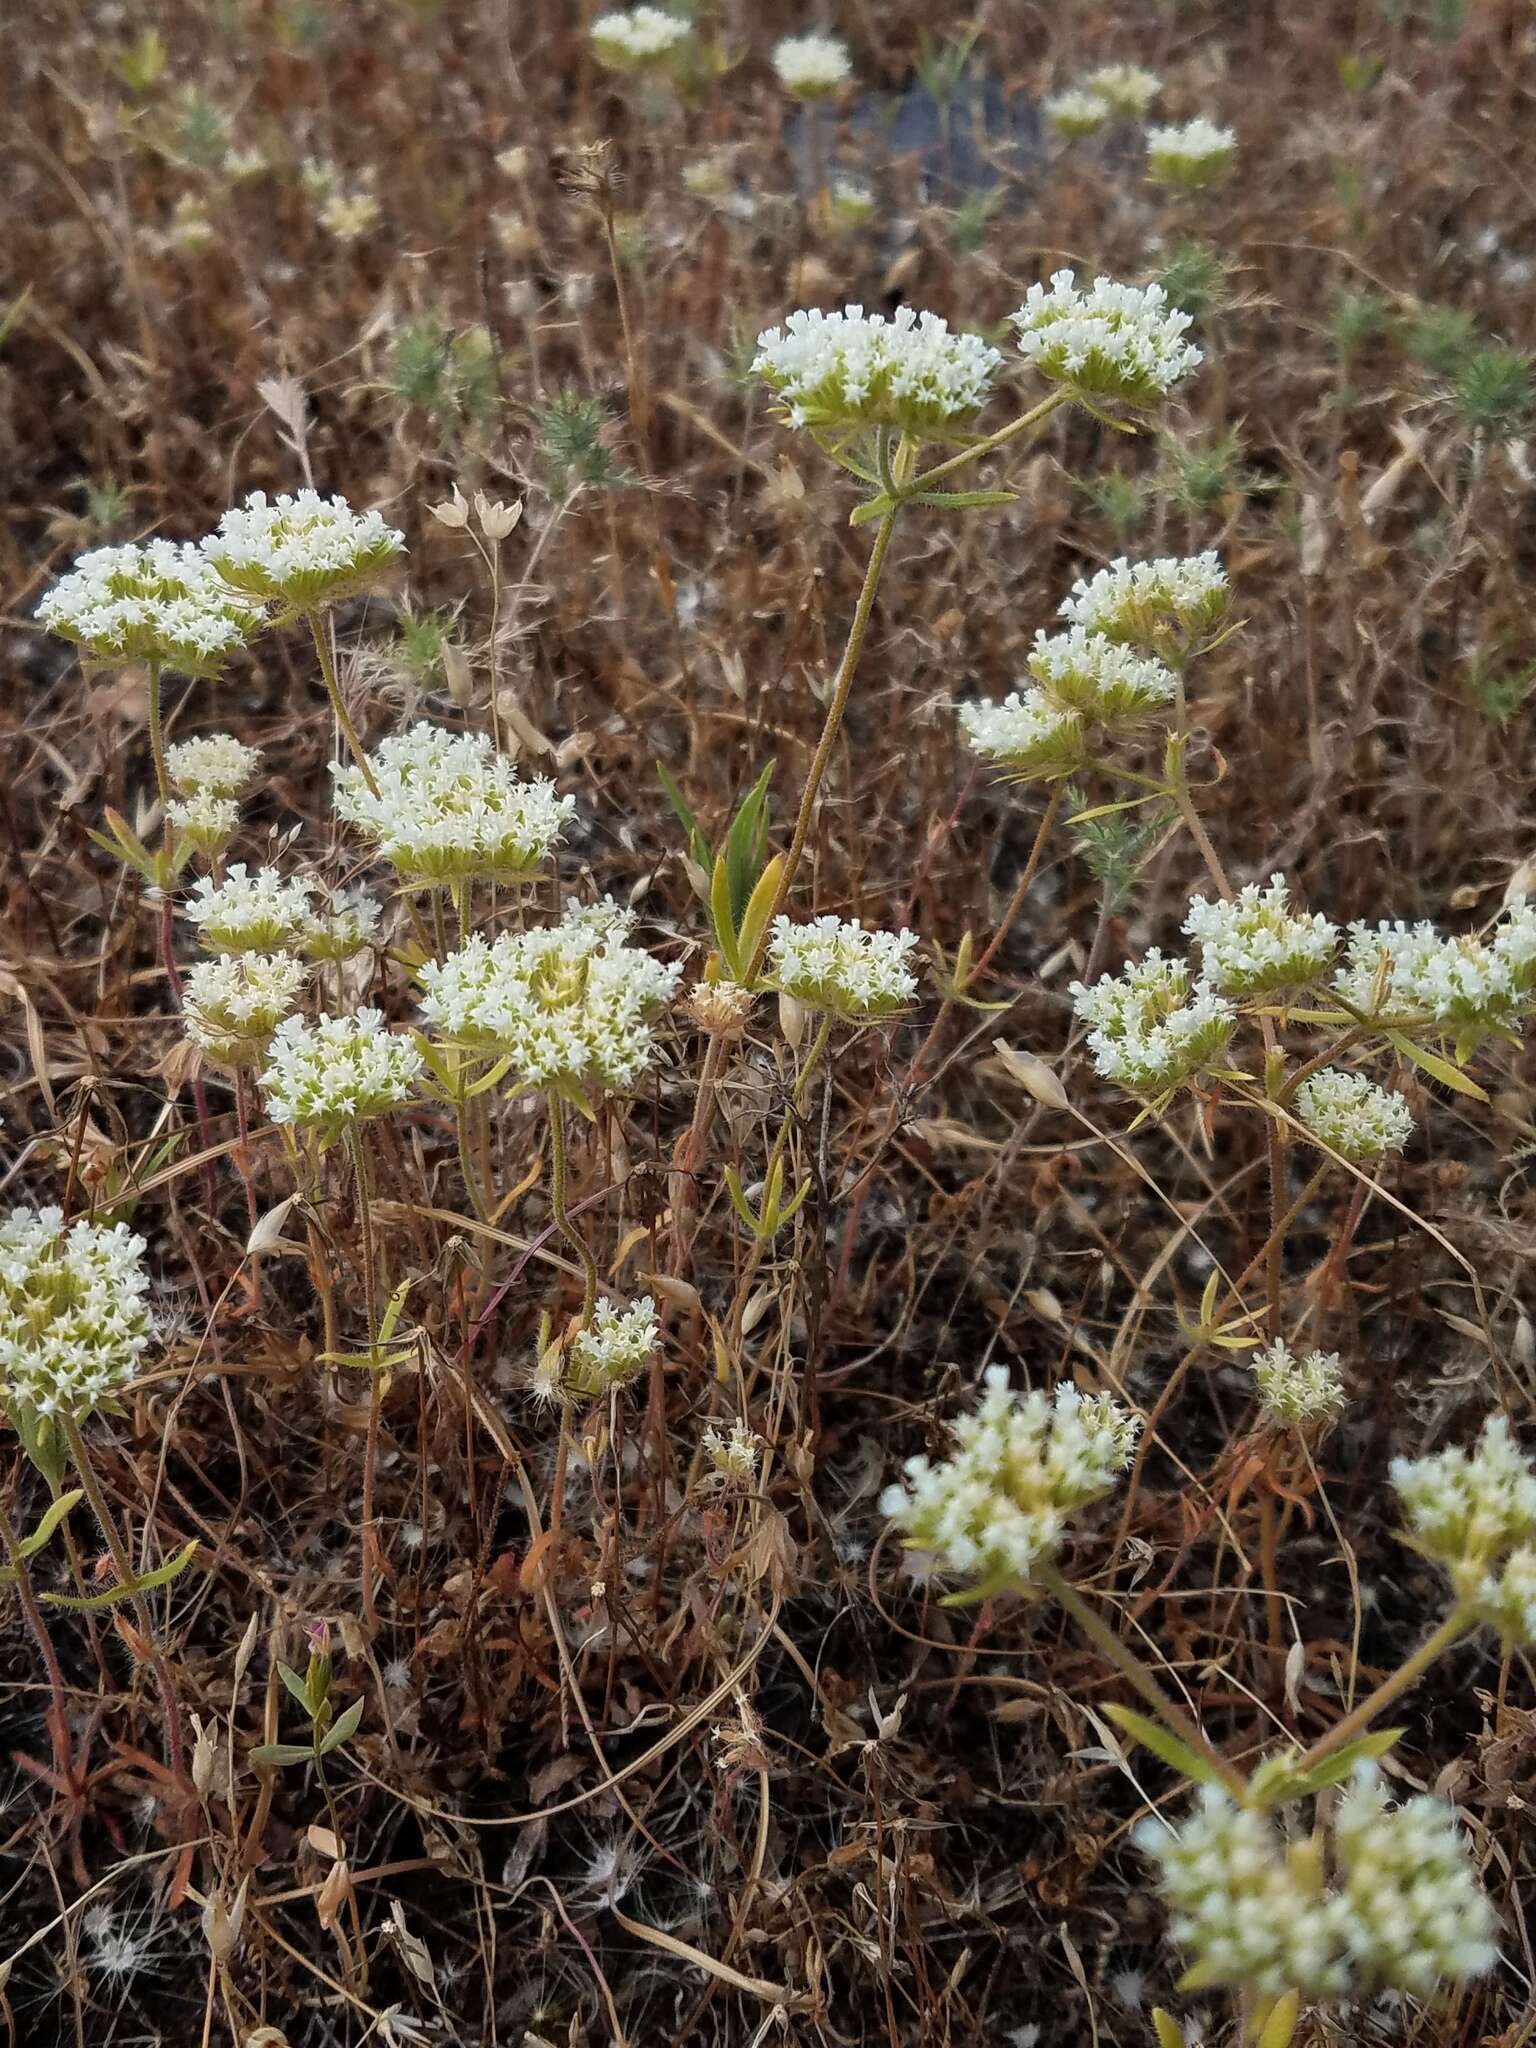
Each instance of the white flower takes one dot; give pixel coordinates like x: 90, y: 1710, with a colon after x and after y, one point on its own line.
x: 1416, y: 1914
x: 850, y: 205
x: 834, y: 964
x: 447, y: 807
x: 811, y: 66
x: 234, y: 1004
x: 1191, y: 155
x: 1168, y: 605
x: 643, y: 37
x: 215, y: 764
x: 1107, y: 684
x: 245, y: 913
x: 1256, y: 944
x: 301, y: 550
x: 1150, y: 1029
x: 1027, y: 735
x: 74, y: 1317
x: 190, y: 228
x: 1465, y: 1509
x: 1113, y: 341
x: 997, y: 1507
x: 569, y: 1006
x: 335, y: 1072
x: 156, y: 601
x: 613, y: 1349
x: 1410, y: 973
x: 1360, y: 1121
x: 721, y: 1008
x: 348, y: 216
x: 208, y: 822
x: 1075, y: 112
x: 1507, y: 1598
x: 733, y: 1456
x: 348, y: 924
x: 1298, y: 1391
x: 1125, y: 88
x: 859, y: 369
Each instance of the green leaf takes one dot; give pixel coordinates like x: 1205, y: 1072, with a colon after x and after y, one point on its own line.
x: 150, y: 1583
x: 739, y: 1203
x: 282, y: 1753
x: 872, y: 508
x: 297, y: 1685
x: 1333, y: 1770
x: 698, y: 845
x: 1178, y: 1755
x: 720, y: 912
x: 487, y: 1080
x: 963, y: 500
x: 1278, y: 2028
x: 760, y: 907
x: 1437, y: 1068
x: 29, y: 1546
x: 1167, y: 2029
x: 744, y: 845
x: 345, y: 1728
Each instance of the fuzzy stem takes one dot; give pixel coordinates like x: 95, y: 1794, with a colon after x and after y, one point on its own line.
x: 568, y: 1230
x: 1032, y: 418
x: 157, y: 734
x: 58, y: 1721
x: 1455, y: 1625
x: 321, y: 636
x: 371, y: 1451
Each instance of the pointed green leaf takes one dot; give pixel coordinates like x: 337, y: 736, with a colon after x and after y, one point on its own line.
x: 963, y: 500
x: 1167, y: 2029
x: 1178, y: 1755
x: 760, y: 907
x: 1278, y: 2028
x: 1432, y: 1064
x: 282, y: 1753
x: 1333, y: 1770
x: 345, y: 1728
x: 739, y: 1202
x: 698, y: 845
x: 150, y: 1583
x: 744, y: 845
x: 720, y: 912
x: 873, y: 508
x: 29, y: 1546
x: 297, y: 1685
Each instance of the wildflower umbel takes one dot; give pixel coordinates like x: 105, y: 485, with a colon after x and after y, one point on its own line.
x: 74, y: 1315
x: 1298, y: 1391
x: 234, y: 1004
x: 1150, y: 1028
x: 264, y: 912
x: 1353, y: 1116
x: 1167, y: 605
x: 1467, y: 1510
x: 346, y: 927
x: 1410, y: 972
x: 445, y: 807
x: 614, y: 1348
x: 732, y: 1455
x: 156, y: 601
x: 1124, y: 88
x: 1106, y: 684
x: 215, y: 764
x: 301, y: 551
x: 834, y: 964
x: 997, y: 1507
x: 1111, y: 342
x: 1256, y: 944
x: 1027, y: 735
x: 811, y: 66
x: 338, y: 1071
x: 1416, y: 1916
x: 858, y: 369
x: 1190, y: 156
x: 1075, y: 112
x: 570, y: 1006
x: 205, y: 822
x: 639, y: 38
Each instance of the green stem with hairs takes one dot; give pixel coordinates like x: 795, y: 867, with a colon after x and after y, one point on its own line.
x: 157, y: 734
x: 321, y: 635
x: 1455, y: 1625
x: 567, y: 1229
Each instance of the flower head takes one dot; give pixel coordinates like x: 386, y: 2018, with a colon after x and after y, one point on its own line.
x: 1352, y: 1116
x: 1166, y: 606
x: 1075, y: 112
x: 74, y: 1315
x: 206, y: 822
x: 638, y: 39
x: 997, y: 1507
x: 155, y: 601
x: 734, y: 1455
x: 721, y: 1008
x: 1105, y: 683
x: 234, y: 1004
x: 1465, y: 1509
x: 346, y: 927
x: 1255, y: 944
x: 1124, y: 88
x: 338, y: 1071
x: 834, y: 964
x: 214, y: 764
x: 1028, y: 735
x: 1507, y: 1597
x: 1150, y: 1029
x: 613, y: 1349
x: 1192, y: 155
x: 446, y: 807
x: 854, y: 369
x: 1113, y: 341
x: 811, y: 66
x: 301, y: 551
x: 570, y: 1006
x: 1468, y: 984
x: 1416, y: 1915
x: 1302, y: 1391
x: 348, y: 216
x: 265, y: 912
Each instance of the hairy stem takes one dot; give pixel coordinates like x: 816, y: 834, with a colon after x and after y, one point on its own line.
x: 567, y: 1229
x: 320, y: 633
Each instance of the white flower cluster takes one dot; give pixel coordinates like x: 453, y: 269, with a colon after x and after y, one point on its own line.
x: 1352, y: 1115
x: 614, y: 1348
x: 1028, y: 736
x: 569, y: 1006
x: 1191, y: 155
x: 854, y: 369
x: 722, y: 1008
x: 1405, y: 1913
x: 732, y: 1455
x: 301, y: 551
x: 1168, y: 605
x: 156, y: 601
x: 207, y: 822
x: 234, y: 1004
x: 347, y: 216
x: 997, y: 1507
x: 811, y: 66
x: 1113, y: 341
x: 1076, y: 112
x: 215, y: 764
x: 446, y: 807
x: 1124, y: 88
x: 74, y: 1316
x: 1475, y: 1515
x: 635, y: 40
x: 348, y: 924
x: 1507, y: 1598
x: 1150, y: 1029
x: 1256, y: 944
x: 265, y: 912
x: 1298, y: 1391
x: 1106, y: 683
x: 337, y: 1071
x: 1410, y: 972
x: 834, y: 964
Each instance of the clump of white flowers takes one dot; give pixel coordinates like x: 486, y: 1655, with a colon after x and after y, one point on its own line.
x: 1027, y: 735
x: 1298, y: 1391
x: 610, y: 1350
x: 1473, y: 1513
x: 346, y: 927
x: 732, y: 1454
x: 1507, y: 1598
x: 264, y: 912
x: 214, y: 764
x: 1168, y: 605
x: 336, y: 1072
x: 638, y: 39
x: 445, y: 807
x: 1190, y: 155
x: 853, y: 369
x: 233, y: 1004
x: 834, y: 964
x: 997, y: 1507
x: 205, y: 822
x: 1124, y: 88
x: 1256, y: 944
x: 1108, y: 684
x: 1411, y: 973
x: 156, y: 601
x: 1112, y: 341
x: 811, y: 66
x: 1151, y: 1028
x: 1075, y: 112
x: 1353, y: 1116
x: 301, y: 551
x: 349, y: 214
x: 1417, y: 1916
x: 74, y: 1316
x: 569, y: 1006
